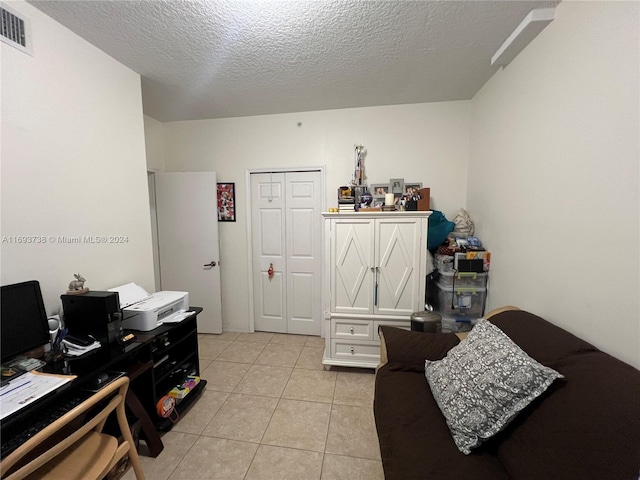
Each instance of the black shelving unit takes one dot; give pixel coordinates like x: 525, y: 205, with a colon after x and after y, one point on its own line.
x: 174, y: 356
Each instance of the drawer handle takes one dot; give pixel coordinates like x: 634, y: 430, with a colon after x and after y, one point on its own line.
x: 351, y: 330
x: 352, y: 350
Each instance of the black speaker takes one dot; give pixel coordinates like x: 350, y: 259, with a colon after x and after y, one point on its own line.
x: 93, y: 313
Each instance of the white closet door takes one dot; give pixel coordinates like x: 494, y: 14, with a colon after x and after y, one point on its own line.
x: 269, y: 248
x: 287, y: 234
x: 304, y: 252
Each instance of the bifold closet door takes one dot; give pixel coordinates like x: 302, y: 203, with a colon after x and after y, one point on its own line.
x: 268, y: 248
x: 304, y: 252
x: 286, y: 237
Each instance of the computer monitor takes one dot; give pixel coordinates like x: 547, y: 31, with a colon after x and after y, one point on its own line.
x: 23, y: 319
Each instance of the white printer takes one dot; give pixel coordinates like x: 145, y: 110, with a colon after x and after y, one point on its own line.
x: 145, y: 311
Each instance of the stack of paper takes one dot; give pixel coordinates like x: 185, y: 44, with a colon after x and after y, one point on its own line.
x: 130, y: 294
x: 28, y: 388
x: 74, y: 350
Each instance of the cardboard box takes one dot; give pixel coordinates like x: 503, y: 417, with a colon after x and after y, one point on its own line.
x: 425, y: 196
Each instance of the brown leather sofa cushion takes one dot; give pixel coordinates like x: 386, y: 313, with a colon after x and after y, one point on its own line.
x: 415, y: 441
x: 409, y: 350
x: 587, y: 425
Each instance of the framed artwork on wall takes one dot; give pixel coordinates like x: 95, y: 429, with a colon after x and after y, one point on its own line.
x: 226, y: 202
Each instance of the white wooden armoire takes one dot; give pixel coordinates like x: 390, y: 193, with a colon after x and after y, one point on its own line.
x: 374, y: 274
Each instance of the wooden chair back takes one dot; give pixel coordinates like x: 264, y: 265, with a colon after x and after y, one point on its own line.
x: 85, y: 454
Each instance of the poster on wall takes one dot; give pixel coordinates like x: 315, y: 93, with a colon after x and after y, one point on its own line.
x: 226, y: 202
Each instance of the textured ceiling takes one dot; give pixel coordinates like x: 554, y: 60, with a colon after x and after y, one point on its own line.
x: 224, y: 58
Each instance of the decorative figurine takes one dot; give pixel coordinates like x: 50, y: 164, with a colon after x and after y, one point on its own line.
x: 358, y: 174
x: 76, y: 287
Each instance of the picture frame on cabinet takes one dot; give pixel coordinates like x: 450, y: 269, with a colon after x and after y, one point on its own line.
x: 411, y: 189
x: 226, y: 202
x: 396, y: 186
x: 379, y: 190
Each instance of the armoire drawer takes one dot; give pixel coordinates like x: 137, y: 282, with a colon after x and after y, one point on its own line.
x: 356, y: 351
x: 404, y: 325
x: 352, y: 329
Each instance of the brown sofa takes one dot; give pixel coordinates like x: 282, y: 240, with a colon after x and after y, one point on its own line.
x: 585, y: 426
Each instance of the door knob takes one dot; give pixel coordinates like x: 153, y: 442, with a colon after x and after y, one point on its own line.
x: 212, y: 264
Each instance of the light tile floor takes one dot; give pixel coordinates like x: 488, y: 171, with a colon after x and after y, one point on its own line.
x: 271, y: 411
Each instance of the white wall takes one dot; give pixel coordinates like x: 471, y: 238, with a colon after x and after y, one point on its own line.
x: 426, y: 143
x: 554, y: 175
x: 154, y: 144
x: 73, y: 164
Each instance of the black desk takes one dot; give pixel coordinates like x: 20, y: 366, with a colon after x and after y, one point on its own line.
x: 142, y: 361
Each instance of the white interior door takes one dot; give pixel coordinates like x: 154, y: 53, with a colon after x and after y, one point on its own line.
x: 188, y: 241
x: 304, y: 252
x: 287, y: 236
x: 268, y: 246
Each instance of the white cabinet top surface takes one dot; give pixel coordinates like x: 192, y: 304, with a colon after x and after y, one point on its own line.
x: 411, y: 213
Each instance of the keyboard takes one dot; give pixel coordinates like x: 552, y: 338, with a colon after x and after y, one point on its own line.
x: 28, y: 430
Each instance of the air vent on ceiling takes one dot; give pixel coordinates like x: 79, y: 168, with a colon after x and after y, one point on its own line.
x: 15, y: 29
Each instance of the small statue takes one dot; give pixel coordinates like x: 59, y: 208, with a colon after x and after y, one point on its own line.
x: 76, y: 287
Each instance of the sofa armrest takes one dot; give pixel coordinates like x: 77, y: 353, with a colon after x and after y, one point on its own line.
x: 496, y: 311
x: 409, y: 350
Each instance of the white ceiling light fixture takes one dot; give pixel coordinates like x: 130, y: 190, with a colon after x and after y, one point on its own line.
x: 535, y: 21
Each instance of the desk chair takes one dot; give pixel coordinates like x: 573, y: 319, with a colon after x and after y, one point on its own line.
x: 86, y: 453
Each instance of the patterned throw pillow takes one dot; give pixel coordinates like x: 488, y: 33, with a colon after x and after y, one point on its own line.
x: 483, y: 383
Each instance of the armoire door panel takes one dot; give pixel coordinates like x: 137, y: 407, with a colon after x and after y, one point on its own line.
x: 352, y: 275
x: 397, y: 258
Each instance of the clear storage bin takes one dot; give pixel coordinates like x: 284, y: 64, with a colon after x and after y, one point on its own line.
x: 456, y: 325
x: 462, y: 279
x: 444, y: 263
x: 463, y: 302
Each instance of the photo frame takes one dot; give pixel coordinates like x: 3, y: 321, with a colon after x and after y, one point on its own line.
x: 226, y: 202
x: 378, y: 190
x: 411, y: 189
x: 396, y: 186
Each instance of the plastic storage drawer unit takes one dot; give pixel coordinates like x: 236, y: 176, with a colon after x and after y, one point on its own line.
x: 459, y: 302
x: 460, y: 324
x: 462, y: 280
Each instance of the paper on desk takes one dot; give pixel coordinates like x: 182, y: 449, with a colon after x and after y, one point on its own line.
x: 177, y: 317
x: 28, y: 388
x: 130, y: 293
x: 77, y: 350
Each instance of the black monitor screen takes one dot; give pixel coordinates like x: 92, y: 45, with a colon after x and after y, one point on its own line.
x: 23, y: 319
